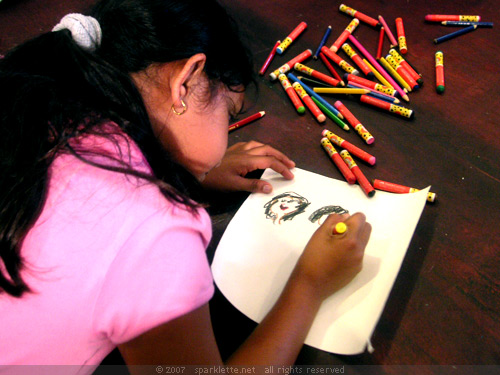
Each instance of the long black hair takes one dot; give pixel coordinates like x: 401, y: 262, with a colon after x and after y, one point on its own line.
x: 51, y: 90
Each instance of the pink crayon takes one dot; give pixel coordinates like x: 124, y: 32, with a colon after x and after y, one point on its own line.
x: 388, y: 32
x: 269, y: 59
x: 377, y: 66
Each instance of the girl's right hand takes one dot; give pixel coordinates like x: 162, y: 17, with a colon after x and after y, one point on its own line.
x: 330, y: 261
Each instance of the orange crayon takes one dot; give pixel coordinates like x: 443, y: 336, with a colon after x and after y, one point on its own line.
x: 334, y: 155
x: 360, y: 177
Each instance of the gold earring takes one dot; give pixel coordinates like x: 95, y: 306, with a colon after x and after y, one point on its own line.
x: 184, y: 108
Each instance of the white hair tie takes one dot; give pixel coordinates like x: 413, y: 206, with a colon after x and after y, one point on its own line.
x: 85, y: 30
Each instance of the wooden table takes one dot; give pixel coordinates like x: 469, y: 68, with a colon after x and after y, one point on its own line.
x: 444, y: 308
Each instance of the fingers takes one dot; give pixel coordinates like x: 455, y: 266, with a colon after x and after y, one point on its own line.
x: 259, y: 149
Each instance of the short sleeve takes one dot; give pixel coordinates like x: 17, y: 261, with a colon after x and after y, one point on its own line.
x: 160, y: 273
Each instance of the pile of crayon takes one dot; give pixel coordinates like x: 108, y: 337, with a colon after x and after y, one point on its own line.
x: 378, y: 81
x: 466, y: 24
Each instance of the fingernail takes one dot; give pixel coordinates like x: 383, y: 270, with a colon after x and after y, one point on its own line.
x: 267, y: 189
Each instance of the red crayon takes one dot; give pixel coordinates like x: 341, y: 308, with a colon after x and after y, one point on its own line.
x: 339, y: 61
x: 357, y: 60
x: 400, y: 60
x: 355, y: 123
x: 402, y: 111
x: 363, y: 155
x: 314, y: 73
x: 380, y: 42
x: 402, y: 71
x: 309, y: 102
x: 449, y: 17
x: 345, y: 34
x: 399, y: 189
x: 439, y: 72
x: 269, y: 59
x: 290, y: 38
x: 361, y: 16
x: 360, y: 177
x: 401, y: 35
x: 373, y: 85
x: 330, y: 68
x: 287, y: 86
x: 289, y: 65
x: 246, y: 121
x: 341, y: 165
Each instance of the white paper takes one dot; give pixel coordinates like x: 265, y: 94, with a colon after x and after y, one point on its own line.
x: 256, y: 256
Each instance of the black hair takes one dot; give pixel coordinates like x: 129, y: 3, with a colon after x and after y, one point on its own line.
x: 303, y: 204
x: 51, y: 91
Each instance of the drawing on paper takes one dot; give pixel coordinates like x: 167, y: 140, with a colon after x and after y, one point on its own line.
x: 285, y: 206
x: 317, y: 216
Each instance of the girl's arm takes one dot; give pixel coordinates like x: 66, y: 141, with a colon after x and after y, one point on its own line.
x: 243, y: 158
x: 327, y: 264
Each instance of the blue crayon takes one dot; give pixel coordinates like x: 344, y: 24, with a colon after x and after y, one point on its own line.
x: 467, y: 23
x: 455, y: 34
x: 323, y: 41
x: 315, y: 95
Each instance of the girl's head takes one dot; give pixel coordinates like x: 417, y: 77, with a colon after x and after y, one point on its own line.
x: 285, y: 206
x: 154, y: 56
x: 183, y: 55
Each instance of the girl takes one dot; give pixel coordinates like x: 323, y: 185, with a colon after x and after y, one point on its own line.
x: 109, y: 124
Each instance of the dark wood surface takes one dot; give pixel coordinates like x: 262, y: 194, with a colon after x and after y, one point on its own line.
x: 444, y: 308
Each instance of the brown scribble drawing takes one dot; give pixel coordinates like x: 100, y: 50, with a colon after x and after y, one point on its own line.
x: 317, y: 215
x: 285, y: 206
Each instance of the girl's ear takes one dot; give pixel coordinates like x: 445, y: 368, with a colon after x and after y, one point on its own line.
x: 188, y: 73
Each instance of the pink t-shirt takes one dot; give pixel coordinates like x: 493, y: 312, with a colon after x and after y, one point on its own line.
x: 108, y: 259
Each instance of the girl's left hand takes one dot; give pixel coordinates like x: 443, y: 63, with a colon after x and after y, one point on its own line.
x: 243, y: 158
